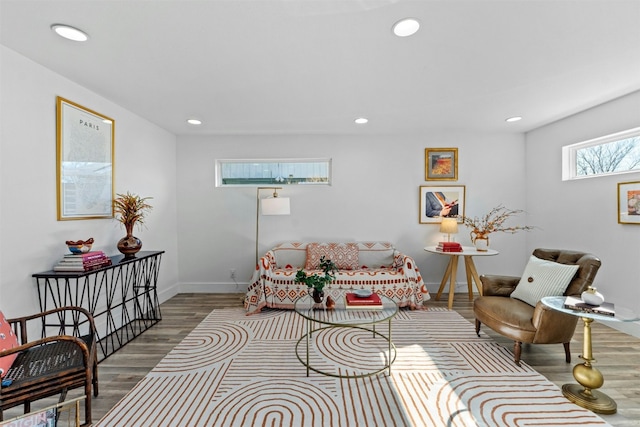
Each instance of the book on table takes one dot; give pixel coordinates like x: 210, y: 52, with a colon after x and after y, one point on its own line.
x: 574, y: 303
x: 449, y: 247
x: 372, y: 301
x: 83, y: 262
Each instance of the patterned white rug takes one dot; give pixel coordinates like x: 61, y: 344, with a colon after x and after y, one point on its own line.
x: 238, y: 370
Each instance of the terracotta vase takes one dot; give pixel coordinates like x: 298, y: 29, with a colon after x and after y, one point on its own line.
x: 129, y: 245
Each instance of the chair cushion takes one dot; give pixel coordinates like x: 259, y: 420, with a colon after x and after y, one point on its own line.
x: 343, y: 255
x: 543, y: 278
x: 8, y: 340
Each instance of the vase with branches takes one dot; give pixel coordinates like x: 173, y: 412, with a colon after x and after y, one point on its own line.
x: 492, y: 222
x: 130, y: 209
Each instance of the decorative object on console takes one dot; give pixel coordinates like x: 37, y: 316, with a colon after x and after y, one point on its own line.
x: 318, y: 281
x: 83, y: 262
x: 129, y: 210
x: 592, y: 296
x: 80, y: 246
x: 491, y: 223
x: 270, y: 206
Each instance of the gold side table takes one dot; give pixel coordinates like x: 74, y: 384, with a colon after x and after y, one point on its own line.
x: 589, y: 378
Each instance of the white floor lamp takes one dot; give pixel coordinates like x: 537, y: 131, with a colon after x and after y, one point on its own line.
x: 270, y: 206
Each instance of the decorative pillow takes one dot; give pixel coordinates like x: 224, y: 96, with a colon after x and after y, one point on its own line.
x: 343, y: 255
x: 290, y: 254
x: 375, y: 254
x: 8, y: 340
x: 542, y: 279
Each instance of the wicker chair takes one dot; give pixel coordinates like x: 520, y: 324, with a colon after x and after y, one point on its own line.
x: 64, y: 359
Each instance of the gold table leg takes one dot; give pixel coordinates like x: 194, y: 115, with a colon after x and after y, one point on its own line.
x: 589, y: 378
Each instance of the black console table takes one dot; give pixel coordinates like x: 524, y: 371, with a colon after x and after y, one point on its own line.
x: 122, y: 297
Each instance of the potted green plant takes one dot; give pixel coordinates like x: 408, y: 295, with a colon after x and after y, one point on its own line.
x: 130, y: 209
x: 318, y: 281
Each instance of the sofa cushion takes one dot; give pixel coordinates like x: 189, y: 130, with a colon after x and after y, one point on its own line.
x: 290, y: 255
x: 343, y: 255
x: 543, y: 278
x: 8, y: 340
x: 375, y: 254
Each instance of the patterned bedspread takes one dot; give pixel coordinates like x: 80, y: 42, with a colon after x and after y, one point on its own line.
x: 272, y: 286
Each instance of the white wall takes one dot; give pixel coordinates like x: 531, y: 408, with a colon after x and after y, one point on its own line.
x: 582, y: 214
x: 31, y: 239
x: 374, y: 196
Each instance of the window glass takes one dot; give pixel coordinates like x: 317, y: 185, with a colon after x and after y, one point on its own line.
x: 255, y: 172
x: 607, y: 155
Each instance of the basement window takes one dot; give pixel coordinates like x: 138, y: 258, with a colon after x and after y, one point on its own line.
x: 607, y: 155
x: 260, y: 172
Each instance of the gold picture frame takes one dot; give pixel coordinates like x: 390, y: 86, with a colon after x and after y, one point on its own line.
x: 629, y: 202
x: 441, y: 164
x: 84, y: 161
x: 434, y: 198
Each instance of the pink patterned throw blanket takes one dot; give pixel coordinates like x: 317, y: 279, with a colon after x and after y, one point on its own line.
x: 377, y: 266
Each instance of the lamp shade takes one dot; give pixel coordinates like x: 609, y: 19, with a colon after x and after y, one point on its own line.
x: 449, y: 225
x: 275, y: 206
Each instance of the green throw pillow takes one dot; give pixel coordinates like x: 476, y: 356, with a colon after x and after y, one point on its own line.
x: 542, y: 279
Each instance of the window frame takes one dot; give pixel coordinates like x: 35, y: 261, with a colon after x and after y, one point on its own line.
x: 569, y: 154
x: 220, y: 184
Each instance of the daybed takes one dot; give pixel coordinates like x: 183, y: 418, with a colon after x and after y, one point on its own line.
x: 362, y: 265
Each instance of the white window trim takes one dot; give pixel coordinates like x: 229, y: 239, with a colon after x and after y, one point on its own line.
x: 219, y: 182
x: 569, y: 164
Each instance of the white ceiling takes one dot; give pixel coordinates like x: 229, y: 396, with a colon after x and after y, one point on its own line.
x: 313, y: 66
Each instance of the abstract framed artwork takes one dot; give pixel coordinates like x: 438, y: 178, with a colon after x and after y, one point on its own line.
x: 441, y: 164
x: 437, y: 202
x: 629, y: 202
x: 85, y: 144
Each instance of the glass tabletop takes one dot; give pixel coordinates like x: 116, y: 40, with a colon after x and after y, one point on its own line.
x: 340, y: 315
x: 622, y: 314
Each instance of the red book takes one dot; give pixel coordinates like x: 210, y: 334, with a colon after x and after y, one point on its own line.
x: 371, y: 300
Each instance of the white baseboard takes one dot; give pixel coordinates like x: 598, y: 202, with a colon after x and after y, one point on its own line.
x: 213, y: 288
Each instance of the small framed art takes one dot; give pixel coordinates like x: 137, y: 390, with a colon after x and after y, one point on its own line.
x: 441, y: 202
x: 629, y: 202
x: 441, y: 164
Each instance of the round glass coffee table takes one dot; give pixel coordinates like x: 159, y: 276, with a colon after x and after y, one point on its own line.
x: 318, y: 318
x: 589, y: 378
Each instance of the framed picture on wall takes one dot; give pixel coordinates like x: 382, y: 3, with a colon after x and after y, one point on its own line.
x: 441, y: 164
x: 629, y: 202
x: 438, y: 202
x: 85, y: 141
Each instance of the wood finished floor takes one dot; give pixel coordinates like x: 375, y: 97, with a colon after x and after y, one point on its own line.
x: 617, y: 354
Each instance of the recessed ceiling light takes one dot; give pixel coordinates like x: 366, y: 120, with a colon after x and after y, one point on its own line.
x: 194, y: 121
x: 70, y: 33
x: 406, y: 27
x: 361, y: 120
x: 513, y: 119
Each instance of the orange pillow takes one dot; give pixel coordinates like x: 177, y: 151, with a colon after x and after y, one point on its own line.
x: 8, y: 340
x: 343, y: 255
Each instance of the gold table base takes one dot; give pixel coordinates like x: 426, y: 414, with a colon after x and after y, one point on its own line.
x: 596, y: 402
x: 589, y: 378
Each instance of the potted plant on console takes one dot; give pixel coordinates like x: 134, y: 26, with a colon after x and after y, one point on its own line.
x: 129, y: 210
x: 492, y: 222
x: 318, y: 281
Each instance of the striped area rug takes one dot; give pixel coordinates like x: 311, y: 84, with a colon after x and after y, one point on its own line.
x: 237, y: 370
